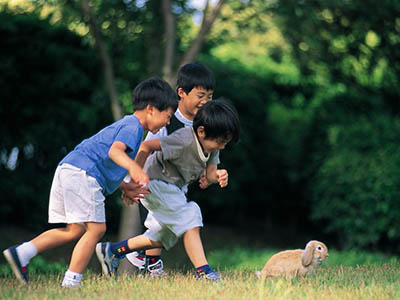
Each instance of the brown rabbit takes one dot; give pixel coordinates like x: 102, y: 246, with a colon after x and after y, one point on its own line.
x: 295, y: 263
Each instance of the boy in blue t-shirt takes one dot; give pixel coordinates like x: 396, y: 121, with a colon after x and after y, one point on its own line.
x: 95, y: 168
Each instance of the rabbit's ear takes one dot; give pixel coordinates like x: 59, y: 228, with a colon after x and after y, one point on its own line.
x: 307, y: 255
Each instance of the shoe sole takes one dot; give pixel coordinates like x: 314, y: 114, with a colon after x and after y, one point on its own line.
x: 7, y: 254
x: 100, y: 257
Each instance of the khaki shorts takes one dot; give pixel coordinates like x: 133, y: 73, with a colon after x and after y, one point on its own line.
x: 75, y: 197
x: 170, y: 214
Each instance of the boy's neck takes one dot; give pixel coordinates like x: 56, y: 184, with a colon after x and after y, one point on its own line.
x: 183, y: 112
x: 141, y: 115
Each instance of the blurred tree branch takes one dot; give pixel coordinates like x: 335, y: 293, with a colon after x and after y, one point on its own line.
x: 209, y: 18
x: 206, y: 25
x: 106, y: 61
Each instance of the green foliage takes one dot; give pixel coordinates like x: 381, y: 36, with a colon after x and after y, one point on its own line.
x: 351, y: 42
x: 48, y: 106
x: 354, y: 190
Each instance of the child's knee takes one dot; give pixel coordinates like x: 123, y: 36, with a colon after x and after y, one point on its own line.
x: 102, y: 230
x: 75, y: 231
x: 97, y: 229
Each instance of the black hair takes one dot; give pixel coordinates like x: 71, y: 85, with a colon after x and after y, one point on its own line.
x: 193, y: 75
x: 220, y: 120
x: 154, y: 91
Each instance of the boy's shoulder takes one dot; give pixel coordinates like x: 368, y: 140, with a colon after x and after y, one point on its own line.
x: 182, y: 135
x: 174, y: 125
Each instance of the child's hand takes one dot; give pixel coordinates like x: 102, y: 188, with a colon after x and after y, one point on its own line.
x: 129, y: 201
x: 222, y: 177
x: 203, y: 182
x: 132, y: 192
x: 139, y: 177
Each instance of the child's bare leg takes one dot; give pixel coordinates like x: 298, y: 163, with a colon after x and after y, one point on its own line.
x: 141, y: 242
x: 195, y: 251
x: 154, y: 252
x: 194, y: 247
x: 84, y: 249
x: 56, y: 237
x: 19, y: 256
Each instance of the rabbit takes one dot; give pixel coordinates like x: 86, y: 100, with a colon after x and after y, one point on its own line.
x: 295, y: 263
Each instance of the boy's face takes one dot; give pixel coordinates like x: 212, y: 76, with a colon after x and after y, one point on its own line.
x: 210, y: 145
x: 158, y: 119
x: 191, y: 102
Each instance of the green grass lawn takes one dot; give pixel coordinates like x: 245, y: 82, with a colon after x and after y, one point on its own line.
x: 344, y: 275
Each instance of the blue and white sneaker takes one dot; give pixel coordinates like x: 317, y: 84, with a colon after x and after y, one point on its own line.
x: 109, y: 262
x: 212, y: 276
x: 12, y: 258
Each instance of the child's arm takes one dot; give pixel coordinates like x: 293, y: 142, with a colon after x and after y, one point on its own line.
x: 118, y: 155
x: 146, y: 148
x: 215, y: 175
x: 203, y: 182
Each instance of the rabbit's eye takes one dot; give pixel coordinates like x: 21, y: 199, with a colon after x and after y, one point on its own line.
x: 319, y: 248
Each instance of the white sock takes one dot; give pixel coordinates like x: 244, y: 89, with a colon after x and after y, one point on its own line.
x: 25, y: 252
x: 71, y: 279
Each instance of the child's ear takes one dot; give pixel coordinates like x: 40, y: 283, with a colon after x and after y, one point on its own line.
x: 149, y: 109
x: 181, y: 93
x: 201, y: 132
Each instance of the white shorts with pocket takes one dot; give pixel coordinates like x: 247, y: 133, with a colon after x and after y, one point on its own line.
x: 170, y: 214
x: 75, y: 197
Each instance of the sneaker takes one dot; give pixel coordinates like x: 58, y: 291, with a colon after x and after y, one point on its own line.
x: 109, y: 262
x: 153, y: 269
x: 213, y: 276
x: 12, y: 257
x: 137, y: 259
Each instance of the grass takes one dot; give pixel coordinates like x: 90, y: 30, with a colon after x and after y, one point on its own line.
x: 345, y: 275
x: 362, y: 282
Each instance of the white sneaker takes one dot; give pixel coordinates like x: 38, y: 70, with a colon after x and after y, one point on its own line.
x: 137, y: 259
x: 71, y: 282
x: 68, y: 283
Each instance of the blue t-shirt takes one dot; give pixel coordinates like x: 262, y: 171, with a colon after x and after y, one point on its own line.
x: 92, y: 154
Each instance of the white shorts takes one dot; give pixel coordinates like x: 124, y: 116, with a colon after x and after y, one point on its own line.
x: 75, y: 197
x: 170, y: 214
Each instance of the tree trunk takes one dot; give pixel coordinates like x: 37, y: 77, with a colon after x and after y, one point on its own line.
x: 154, y: 35
x: 205, y: 28
x: 105, y: 59
x: 170, y: 34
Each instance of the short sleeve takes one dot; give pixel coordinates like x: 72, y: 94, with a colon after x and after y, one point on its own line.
x: 214, y: 158
x: 131, y: 136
